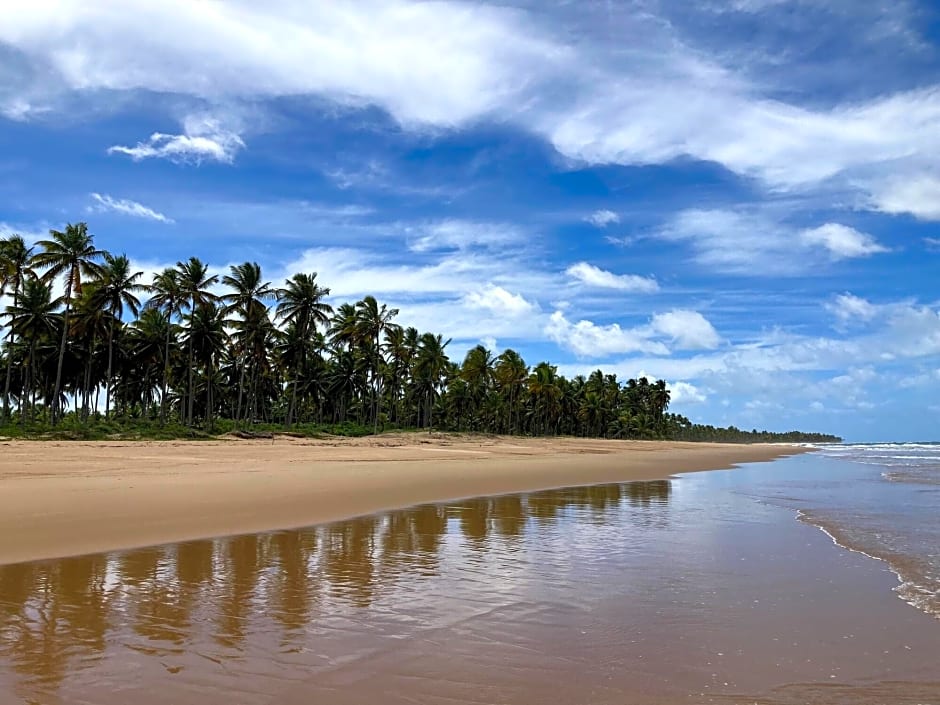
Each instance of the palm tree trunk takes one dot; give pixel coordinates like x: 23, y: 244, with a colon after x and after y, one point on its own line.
x: 62, y: 344
x: 209, y: 396
x: 6, y: 386
x: 31, y: 375
x: 86, y: 385
x: 189, y: 394
x: 292, y: 409
x: 144, y: 394
x: 166, y: 370
x: 250, y: 406
x: 430, y: 411
x: 375, y: 389
x: 241, y: 388
x: 107, y: 395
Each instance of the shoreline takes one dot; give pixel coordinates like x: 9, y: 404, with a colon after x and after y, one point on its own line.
x: 72, y: 498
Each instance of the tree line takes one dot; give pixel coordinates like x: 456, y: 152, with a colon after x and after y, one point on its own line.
x: 175, y: 351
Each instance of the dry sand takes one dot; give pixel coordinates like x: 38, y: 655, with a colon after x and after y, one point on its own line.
x: 69, y: 498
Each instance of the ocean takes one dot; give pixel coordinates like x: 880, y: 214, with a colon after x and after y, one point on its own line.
x: 888, y: 509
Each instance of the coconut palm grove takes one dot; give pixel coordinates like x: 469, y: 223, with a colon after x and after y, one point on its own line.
x: 194, y: 354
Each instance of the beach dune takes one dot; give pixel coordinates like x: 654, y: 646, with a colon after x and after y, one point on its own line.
x: 70, y: 498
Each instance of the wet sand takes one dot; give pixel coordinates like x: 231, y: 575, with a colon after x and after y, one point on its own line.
x: 71, y: 498
x: 666, y: 592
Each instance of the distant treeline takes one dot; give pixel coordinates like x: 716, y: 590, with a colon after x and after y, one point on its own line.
x: 685, y: 430
x: 175, y: 352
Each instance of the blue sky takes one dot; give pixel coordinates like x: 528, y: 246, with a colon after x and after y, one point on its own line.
x: 741, y: 197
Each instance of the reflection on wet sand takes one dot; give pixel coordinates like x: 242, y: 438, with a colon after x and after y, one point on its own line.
x: 559, y: 596
x: 58, y: 617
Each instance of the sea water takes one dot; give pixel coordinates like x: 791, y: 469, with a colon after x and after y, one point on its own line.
x: 889, y: 510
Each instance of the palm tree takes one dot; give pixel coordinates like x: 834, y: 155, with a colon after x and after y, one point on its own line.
x: 33, y: 317
x: 70, y: 253
x: 15, y: 256
x: 115, y: 289
x: 168, y: 297
x: 344, y: 326
x: 300, y: 305
x: 430, y: 366
x: 660, y: 397
x: 194, y: 281
x: 246, y: 300
x: 207, y: 328
x: 254, y: 336
x: 145, y: 346
x: 593, y: 412
x: 477, y: 372
x: 400, y: 344
x: 511, y: 375
x: 90, y: 325
x: 372, y: 321
x: 546, y: 393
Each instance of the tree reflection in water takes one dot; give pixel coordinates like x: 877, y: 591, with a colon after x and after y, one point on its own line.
x: 59, y: 616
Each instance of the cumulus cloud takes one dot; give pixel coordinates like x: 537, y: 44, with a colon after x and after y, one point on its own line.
x: 204, y: 138
x: 104, y: 203
x: 684, y: 393
x: 588, y: 339
x: 593, y: 276
x: 603, y: 218
x: 778, y: 362
x: 842, y: 241
x: 497, y: 300
x: 689, y: 330
x: 918, y: 195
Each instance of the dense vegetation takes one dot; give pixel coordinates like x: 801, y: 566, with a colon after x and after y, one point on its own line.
x: 170, y: 356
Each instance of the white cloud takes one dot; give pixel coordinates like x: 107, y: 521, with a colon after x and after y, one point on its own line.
x: 499, y: 301
x: 796, y: 370
x: 455, y: 234
x: 435, y: 63
x: 204, y: 138
x: 917, y: 194
x: 489, y: 342
x: 734, y: 242
x: 603, y: 218
x: 352, y: 272
x: 31, y: 233
x: 449, y: 63
x: 848, y: 307
x: 587, y: 339
x: 689, y: 330
x: 104, y: 203
x: 683, y: 393
x: 754, y: 243
x: 19, y: 110
x: 593, y: 276
x: 842, y: 241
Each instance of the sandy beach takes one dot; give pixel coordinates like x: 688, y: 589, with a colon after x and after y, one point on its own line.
x: 70, y: 498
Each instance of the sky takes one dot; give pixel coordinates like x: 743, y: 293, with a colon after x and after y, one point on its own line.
x: 741, y: 197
